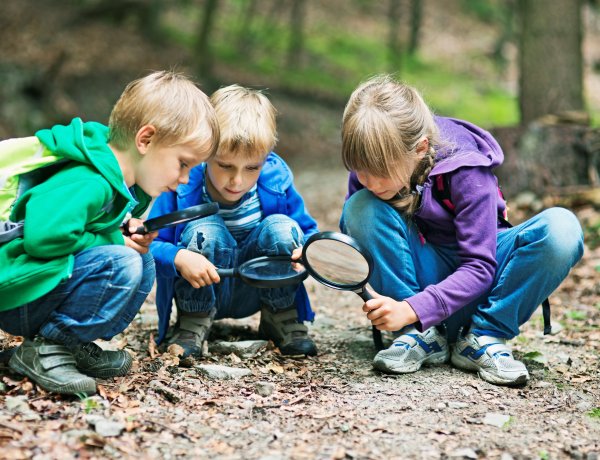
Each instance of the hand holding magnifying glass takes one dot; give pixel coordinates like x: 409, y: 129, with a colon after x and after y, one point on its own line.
x: 340, y: 262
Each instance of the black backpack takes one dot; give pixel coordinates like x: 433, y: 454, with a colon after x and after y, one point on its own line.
x: 441, y: 193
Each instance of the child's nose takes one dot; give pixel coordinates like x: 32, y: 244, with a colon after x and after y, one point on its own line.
x: 236, y: 179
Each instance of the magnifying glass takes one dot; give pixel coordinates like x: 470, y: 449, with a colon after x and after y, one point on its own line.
x: 340, y: 262
x: 267, y: 272
x: 175, y: 218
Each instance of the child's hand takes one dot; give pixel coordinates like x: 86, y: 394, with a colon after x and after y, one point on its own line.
x: 140, y: 243
x: 387, y: 314
x: 196, y: 269
x: 297, y: 253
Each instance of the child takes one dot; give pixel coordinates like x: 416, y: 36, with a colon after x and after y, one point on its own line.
x: 433, y: 268
x: 260, y: 214
x: 74, y: 277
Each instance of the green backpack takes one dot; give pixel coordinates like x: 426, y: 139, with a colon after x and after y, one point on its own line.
x: 24, y: 163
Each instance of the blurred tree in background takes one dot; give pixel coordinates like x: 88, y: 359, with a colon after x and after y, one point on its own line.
x: 498, y: 63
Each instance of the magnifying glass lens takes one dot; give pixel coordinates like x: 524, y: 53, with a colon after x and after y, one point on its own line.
x: 271, y: 269
x: 337, y: 263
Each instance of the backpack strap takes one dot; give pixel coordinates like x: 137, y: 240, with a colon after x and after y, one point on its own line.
x: 441, y: 193
x: 10, y: 231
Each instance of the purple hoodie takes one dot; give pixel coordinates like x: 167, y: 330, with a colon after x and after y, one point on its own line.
x: 467, y: 157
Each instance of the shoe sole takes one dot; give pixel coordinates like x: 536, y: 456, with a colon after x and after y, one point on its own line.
x: 86, y: 386
x: 466, y: 364
x: 383, y: 364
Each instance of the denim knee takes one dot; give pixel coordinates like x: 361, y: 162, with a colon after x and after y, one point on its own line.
x: 562, y: 237
x: 360, y: 208
x: 279, y: 235
x: 364, y: 211
x: 125, y: 265
x: 206, y: 236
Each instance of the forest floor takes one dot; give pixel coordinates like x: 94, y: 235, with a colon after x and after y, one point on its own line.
x: 332, y: 406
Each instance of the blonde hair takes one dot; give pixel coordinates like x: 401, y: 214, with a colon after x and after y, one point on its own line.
x: 179, y: 111
x: 247, y: 121
x: 383, y: 124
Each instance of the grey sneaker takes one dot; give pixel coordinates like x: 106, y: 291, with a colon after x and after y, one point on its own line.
x: 191, y: 331
x: 409, y: 351
x: 283, y: 328
x: 51, y: 366
x: 491, y: 358
x: 94, y: 361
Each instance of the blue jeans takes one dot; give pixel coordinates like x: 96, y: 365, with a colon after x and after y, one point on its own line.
x: 533, y: 259
x: 99, y: 300
x: 276, y: 234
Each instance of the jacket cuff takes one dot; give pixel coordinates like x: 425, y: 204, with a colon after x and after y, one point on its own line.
x: 430, y: 309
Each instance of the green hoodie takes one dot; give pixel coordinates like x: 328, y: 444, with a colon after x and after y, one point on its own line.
x: 81, y: 206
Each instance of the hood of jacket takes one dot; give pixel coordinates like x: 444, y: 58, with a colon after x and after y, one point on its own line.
x: 275, y: 176
x: 464, y: 144
x: 85, y: 143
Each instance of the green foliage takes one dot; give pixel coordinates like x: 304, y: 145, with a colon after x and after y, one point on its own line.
x: 486, y: 10
x: 536, y: 357
x: 576, y: 315
x: 594, y: 413
x: 592, y: 235
x: 88, y: 404
x: 335, y: 60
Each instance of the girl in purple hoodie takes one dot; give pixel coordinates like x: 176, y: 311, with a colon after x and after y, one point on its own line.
x: 440, y: 276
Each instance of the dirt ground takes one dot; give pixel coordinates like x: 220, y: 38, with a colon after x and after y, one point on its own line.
x: 333, y: 406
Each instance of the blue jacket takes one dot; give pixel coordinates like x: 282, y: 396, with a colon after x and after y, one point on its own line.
x: 277, y: 196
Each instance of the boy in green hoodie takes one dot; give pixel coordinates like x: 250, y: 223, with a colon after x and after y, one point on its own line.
x: 74, y: 277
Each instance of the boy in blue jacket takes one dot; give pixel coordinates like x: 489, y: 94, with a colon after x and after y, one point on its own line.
x: 261, y: 214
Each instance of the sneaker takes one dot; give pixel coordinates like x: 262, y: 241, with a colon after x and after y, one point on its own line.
x: 191, y: 331
x: 491, y: 358
x: 411, y: 350
x: 94, y: 361
x: 51, y: 366
x: 283, y: 328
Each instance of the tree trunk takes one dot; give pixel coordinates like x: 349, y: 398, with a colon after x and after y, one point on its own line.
x: 394, y: 46
x: 296, y: 45
x: 416, y: 17
x: 203, y: 51
x: 548, y: 155
x: 550, y: 58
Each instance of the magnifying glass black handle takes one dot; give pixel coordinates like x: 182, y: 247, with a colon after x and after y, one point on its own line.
x: 141, y: 230
x: 227, y: 272
x: 377, y: 339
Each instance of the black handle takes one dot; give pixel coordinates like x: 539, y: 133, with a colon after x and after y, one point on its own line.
x: 377, y: 339
x: 227, y: 272
x: 141, y: 230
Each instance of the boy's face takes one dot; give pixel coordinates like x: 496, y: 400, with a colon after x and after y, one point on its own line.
x: 231, y: 175
x: 164, y: 168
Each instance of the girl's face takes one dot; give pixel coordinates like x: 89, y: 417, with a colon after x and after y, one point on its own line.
x: 384, y: 188
x: 231, y: 175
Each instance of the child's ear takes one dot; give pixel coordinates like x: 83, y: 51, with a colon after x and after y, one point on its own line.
x: 423, y: 146
x: 143, y: 138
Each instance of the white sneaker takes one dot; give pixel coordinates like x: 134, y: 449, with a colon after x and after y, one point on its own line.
x: 411, y: 350
x: 491, y: 358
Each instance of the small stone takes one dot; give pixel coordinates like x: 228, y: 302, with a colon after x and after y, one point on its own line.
x: 243, y: 349
x: 464, y: 452
x: 265, y: 388
x: 217, y: 372
x: 457, y: 405
x: 108, y: 428
x: 495, y: 419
